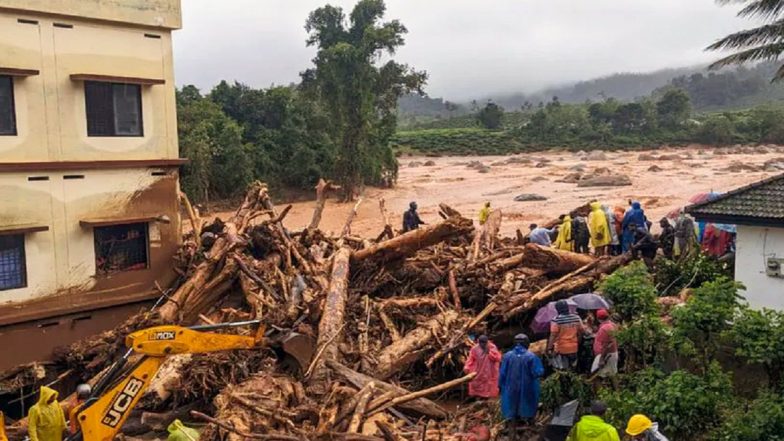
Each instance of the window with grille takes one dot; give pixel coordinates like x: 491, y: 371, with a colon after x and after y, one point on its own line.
x: 113, y: 109
x: 13, y: 269
x: 7, y: 112
x: 121, y: 248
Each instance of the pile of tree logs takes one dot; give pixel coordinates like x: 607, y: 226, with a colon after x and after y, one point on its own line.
x: 362, y: 334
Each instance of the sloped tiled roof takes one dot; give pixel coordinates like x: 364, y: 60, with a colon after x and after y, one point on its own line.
x: 761, y: 201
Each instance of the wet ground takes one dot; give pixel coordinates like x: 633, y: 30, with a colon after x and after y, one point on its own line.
x: 465, y: 183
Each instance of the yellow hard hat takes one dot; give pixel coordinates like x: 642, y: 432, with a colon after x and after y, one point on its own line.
x: 638, y: 424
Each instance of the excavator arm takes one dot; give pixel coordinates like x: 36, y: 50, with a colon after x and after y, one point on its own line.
x: 102, y: 416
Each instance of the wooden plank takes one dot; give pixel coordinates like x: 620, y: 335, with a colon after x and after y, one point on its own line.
x: 16, y: 72
x: 117, y: 79
x: 107, y: 222
x: 88, y: 165
x: 21, y: 229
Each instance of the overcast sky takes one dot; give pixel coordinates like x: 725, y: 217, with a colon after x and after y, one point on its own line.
x: 470, y: 48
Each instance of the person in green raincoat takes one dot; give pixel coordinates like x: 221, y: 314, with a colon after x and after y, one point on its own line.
x: 180, y: 432
x: 592, y: 427
x: 46, y: 419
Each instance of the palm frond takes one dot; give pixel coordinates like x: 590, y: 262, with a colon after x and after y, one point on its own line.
x: 765, y: 52
x: 765, y: 9
x: 762, y: 35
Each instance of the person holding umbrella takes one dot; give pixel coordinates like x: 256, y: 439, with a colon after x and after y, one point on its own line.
x: 605, y: 347
x: 565, y: 332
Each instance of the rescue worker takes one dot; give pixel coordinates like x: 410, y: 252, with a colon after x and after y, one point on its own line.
x: 180, y: 432
x: 83, y: 392
x: 605, y: 346
x: 592, y: 427
x: 599, y: 228
x: 46, y: 420
x: 614, y: 240
x: 485, y: 360
x: 518, y: 381
x: 484, y: 213
x: 644, y: 244
x: 411, y: 220
x: 641, y: 428
x: 685, y: 234
x: 540, y: 235
x: 634, y: 215
x: 564, y: 240
x: 580, y: 234
x: 667, y: 238
x: 564, y: 341
x: 3, y: 436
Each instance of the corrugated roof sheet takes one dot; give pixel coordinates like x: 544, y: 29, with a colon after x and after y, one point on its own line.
x: 763, y: 199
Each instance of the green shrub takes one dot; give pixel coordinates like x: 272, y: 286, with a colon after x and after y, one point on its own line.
x: 632, y: 292
x: 758, y: 337
x: 760, y: 420
x: 674, y: 275
x: 682, y: 403
x: 644, y: 341
x: 562, y: 387
x: 699, y: 324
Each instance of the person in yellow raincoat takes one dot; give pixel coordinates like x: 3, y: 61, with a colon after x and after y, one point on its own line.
x: 46, y: 420
x: 564, y: 241
x: 600, y: 231
x: 3, y: 437
x: 484, y: 213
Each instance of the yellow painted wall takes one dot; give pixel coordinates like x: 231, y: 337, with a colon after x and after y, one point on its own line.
x: 100, y: 37
x: 63, y: 259
x: 50, y: 107
x: 155, y: 13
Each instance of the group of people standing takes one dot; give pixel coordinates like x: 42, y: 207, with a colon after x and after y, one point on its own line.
x: 515, y: 375
x: 607, y: 231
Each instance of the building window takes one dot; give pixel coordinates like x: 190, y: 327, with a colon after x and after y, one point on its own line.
x: 113, y: 109
x: 13, y: 270
x: 7, y: 112
x: 120, y: 248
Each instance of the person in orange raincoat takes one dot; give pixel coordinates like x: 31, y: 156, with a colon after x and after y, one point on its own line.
x: 485, y: 360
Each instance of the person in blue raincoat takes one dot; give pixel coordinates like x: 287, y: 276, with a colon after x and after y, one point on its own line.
x: 519, y: 383
x: 635, y: 215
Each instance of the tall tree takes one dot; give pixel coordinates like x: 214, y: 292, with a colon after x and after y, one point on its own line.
x: 673, y: 109
x: 360, y: 93
x: 764, y: 42
x: 491, y: 116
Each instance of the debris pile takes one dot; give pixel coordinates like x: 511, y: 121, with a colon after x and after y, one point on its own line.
x: 363, y: 336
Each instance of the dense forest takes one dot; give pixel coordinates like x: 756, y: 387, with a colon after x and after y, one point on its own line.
x: 664, y: 118
x: 336, y: 124
x: 724, y: 89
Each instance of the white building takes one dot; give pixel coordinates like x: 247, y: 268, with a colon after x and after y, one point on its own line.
x: 758, y: 211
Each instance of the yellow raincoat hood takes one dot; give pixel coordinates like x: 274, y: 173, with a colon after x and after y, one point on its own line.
x: 597, y: 223
x: 564, y: 240
x: 46, y: 421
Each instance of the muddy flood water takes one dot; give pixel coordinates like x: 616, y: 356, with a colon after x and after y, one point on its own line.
x: 661, y: 179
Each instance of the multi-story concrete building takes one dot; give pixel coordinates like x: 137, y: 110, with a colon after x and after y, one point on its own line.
x: 89, y: 217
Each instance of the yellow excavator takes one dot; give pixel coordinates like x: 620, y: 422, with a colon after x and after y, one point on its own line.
x: 119, y: 390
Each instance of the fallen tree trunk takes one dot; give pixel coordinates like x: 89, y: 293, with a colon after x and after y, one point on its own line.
x: 408, y: 349
x: 553, y: 260
x: 409, y: 243
x: 421, y: 406
x: 422, y: 393
x: 581, y: 279
x: 180, y: 306
x: 332, y: 318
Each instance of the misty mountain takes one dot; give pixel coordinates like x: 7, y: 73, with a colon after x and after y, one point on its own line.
x: 621, y: 86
